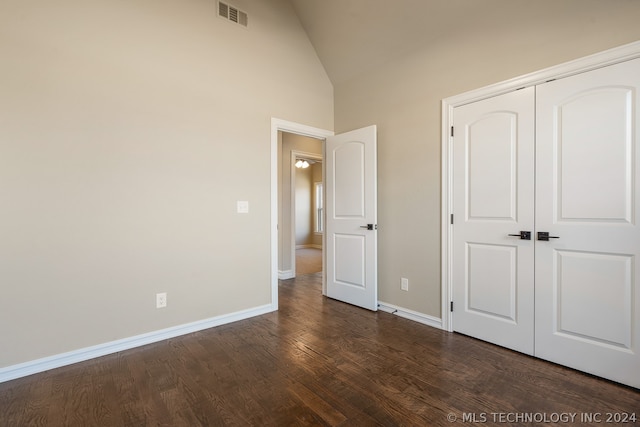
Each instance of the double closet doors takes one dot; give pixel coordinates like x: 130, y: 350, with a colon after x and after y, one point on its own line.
x: 546, y: 204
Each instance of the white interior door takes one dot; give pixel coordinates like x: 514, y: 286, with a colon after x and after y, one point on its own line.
x: 588, y: 188
x: 351, y: 217
x: 493, y: 184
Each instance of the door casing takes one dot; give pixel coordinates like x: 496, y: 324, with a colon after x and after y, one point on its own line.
x: 598, y: 60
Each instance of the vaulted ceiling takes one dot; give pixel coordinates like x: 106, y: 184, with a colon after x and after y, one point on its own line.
x: 353, y: 35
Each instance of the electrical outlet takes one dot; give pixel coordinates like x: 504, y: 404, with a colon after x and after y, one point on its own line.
x: 404, y: 284
x: 161, y: 300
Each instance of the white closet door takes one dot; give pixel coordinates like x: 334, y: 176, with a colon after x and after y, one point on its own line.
x: 587, y: 305
x: 493, y: 184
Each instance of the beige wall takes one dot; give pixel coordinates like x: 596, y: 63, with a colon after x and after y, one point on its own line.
x: 128, y: 131
x: 316, y: 176
x: 403, y: 99
x: 303, y: 207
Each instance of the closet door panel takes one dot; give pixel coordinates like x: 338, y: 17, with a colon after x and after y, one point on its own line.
x: 587, y: 185
x: 493, y: 181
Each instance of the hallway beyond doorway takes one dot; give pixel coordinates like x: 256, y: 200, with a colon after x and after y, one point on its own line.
x: 308, y: 260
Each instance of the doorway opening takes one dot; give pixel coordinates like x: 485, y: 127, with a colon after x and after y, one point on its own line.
x: 302, y: 234
x: 307, y: 202
x: 290, y: 231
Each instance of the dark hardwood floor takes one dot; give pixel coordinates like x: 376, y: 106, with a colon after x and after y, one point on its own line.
x: 314, y: 362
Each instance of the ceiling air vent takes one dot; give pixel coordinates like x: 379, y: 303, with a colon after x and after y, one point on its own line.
x: 232, y: 14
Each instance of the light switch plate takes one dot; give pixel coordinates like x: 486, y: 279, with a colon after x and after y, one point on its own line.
x: 243, y: 206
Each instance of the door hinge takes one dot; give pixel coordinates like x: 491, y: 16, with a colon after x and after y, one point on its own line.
x: 451, y: 130
x: 451, y: 305
x: 451, y: 219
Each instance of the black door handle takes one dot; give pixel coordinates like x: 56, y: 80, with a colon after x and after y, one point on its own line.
x: 524, y: 235
x: 544, y: 236
x: 370, y: 226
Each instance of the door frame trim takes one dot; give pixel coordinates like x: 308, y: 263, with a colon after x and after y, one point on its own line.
x: 598, y: 60
x: 279, y: 125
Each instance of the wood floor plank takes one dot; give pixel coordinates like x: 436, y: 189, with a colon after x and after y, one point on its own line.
x: 324, y: 409
x: 315, y: 362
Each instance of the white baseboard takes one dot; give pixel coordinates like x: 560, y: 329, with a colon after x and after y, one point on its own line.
x: 410, y: 314
x: 286, y: 274
x: 40, y: 365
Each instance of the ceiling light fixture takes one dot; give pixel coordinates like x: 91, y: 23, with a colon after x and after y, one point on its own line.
x: 302, y: 163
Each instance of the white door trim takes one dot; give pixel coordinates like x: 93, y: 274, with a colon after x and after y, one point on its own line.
x: 299, y: 129
x: 598, y: 60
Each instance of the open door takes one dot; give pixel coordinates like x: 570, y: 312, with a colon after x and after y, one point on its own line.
x: 351, y: 218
